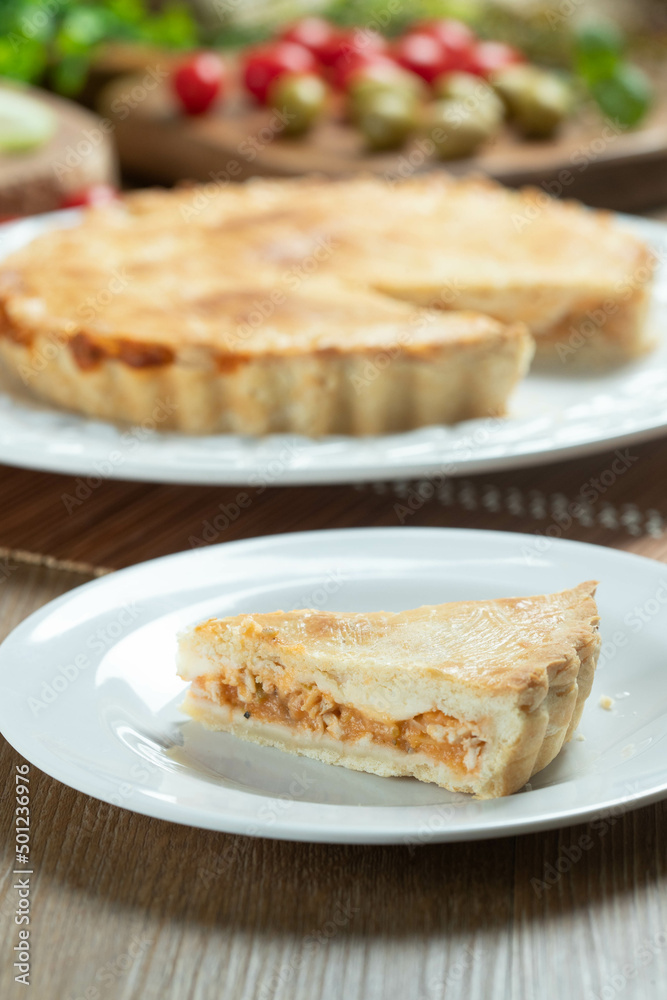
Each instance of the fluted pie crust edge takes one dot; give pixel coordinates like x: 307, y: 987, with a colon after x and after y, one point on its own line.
x: 358, y: 392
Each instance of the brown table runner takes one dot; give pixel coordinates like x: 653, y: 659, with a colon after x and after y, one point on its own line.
x: 126, y: 907
x: 616, y: 498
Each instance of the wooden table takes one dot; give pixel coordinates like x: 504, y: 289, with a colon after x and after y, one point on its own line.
x: 130, y: 908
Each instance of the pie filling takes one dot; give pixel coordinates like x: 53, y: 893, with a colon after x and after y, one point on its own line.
x: 446, y: 739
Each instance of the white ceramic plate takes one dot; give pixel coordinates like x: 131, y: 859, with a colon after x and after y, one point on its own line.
x: 88, y: 691
x: 552, y: 417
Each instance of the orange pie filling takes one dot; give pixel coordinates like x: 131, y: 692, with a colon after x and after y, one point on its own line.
x: 446, y: 739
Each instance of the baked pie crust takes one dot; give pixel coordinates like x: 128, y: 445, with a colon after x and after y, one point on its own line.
x: 356, y: 306
x: 475, y: 696
x: 327, y: 359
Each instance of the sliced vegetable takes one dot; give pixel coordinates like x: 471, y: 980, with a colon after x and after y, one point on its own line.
x: 25, y: 123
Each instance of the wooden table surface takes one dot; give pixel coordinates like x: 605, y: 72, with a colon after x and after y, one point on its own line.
x: 130, y: 908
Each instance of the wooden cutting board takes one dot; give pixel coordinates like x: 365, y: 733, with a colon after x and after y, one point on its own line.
x: 80, y: 152
x: 596, y: 162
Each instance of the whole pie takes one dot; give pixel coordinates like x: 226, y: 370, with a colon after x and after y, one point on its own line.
x: 355, y: 307
x: 475, y: 696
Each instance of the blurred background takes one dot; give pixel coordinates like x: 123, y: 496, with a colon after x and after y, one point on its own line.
x: 568, y: 95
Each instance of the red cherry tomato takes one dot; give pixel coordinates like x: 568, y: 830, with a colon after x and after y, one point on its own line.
x: 487, y: 58
x: 422, y: 54
x: 313, y: 33
x: 198, y: 81
x: 456, y: 38
x: 350, y: 66
x: 96, y: 194
x: 345, y: 44
x: 262, y: 65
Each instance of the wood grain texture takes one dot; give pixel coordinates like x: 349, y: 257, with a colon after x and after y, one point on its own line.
x: 131, y: 908
x: 139, y: 909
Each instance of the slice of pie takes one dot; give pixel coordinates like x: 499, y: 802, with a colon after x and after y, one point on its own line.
x: 475, y: 696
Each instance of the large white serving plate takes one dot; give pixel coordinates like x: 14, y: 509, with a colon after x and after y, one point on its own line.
x: 552, y: 416
x: 89, y: 694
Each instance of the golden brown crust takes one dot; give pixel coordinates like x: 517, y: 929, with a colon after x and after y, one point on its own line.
x: 325, y: 393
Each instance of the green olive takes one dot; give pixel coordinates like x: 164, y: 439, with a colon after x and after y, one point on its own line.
x: 457, y: 130
x: 460, y: 86
x: 536, y: 99
x: 478, y: 99
x: 394, y: 81
x: 301, y: 97
x: 365, y: 90
x: 386, y: 119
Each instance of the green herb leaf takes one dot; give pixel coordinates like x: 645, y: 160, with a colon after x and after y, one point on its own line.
x: 21, y: 58
x: 624, y: 96
x: 598, y: 50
